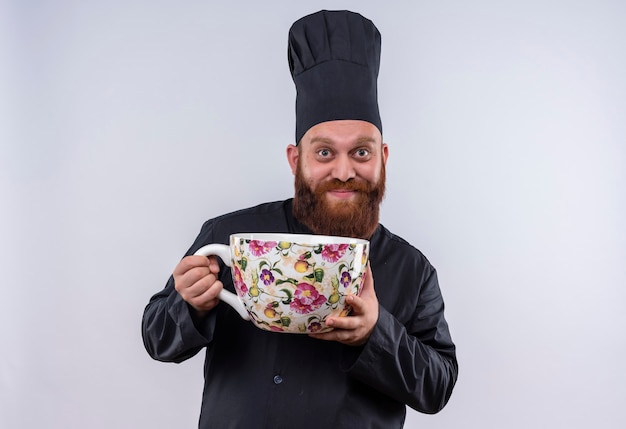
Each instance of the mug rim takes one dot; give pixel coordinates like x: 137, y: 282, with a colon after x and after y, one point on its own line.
x: 309, y: 239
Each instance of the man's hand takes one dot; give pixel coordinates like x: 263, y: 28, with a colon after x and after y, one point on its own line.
x: 195, y: 279
x: 355, y: 329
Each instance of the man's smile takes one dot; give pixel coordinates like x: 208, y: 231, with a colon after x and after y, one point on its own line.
x: 342, y: 194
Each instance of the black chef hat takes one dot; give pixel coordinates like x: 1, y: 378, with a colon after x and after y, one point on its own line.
x: 334, y: 57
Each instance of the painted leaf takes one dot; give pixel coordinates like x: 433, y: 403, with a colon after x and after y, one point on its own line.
x: 319, y: 275
x: 287, y: 300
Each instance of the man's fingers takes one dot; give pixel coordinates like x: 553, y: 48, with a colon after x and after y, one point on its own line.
x: 209, y: 297
x: 346, y: 336
x: 343, y: 322
x: 358, y: 303
x: 356, y: 328
x: 200, y: 282
x: 189, y: 264
x: 196, y: 261
x: 213, y: 264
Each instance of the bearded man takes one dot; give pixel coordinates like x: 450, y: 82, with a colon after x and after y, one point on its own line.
x: 394, y: 349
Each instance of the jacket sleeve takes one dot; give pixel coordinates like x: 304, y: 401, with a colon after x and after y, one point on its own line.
x: 170, y: 332
x: 414, y: 363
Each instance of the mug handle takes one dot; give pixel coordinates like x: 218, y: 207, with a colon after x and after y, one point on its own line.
x: 223, y: 252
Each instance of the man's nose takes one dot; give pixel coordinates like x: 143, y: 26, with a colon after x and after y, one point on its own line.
x: 343, y: 169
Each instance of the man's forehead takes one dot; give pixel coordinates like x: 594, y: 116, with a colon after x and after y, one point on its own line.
x: 335, y: 140
x: 343, y: 131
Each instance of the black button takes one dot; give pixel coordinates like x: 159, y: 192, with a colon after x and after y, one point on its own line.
x: 278, y: 379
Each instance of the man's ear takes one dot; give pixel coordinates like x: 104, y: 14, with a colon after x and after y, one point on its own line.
x: 385, y: 153
x: 293, y: 153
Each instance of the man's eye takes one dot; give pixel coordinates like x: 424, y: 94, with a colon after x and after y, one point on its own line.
x: 362, y: 153
x: 323, y: 152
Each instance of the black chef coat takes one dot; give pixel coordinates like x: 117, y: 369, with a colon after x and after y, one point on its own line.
x: 262, y: 379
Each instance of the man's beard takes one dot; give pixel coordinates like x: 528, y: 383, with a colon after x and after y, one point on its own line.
x: 357, y: 217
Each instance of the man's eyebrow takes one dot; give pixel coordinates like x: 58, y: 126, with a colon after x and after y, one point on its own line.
x: 325, y: 140
x: 366, y: 140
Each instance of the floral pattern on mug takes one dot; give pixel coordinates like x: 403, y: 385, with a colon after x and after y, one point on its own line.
x: 240, y: 285
x: 306, y: 299
x: 315, y: 327
x: 346, y: 279
x: 259, y: 248
x: 292, y: 287
x: 333, y: 252
x: 267, y: 277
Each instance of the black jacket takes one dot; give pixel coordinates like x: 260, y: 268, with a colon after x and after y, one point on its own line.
x: 261, y: 379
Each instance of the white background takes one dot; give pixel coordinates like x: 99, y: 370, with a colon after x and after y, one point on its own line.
x: 125, y: 124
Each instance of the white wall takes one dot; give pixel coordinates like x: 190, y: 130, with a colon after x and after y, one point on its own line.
x: 125, y: 124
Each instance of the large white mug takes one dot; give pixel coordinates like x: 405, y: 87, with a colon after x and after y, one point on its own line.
x: 291, y: 282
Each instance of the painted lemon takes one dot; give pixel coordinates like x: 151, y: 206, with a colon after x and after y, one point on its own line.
x: 301, y: 266
x: 333, y: 298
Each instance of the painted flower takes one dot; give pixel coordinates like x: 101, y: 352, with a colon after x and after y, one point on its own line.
x: 306, y: 299
x: 240, y: 285
x: 333, y: 252
x: 315, y: 327
x: 267, y: 277
x: 346, y: 278
x: 258, y: 248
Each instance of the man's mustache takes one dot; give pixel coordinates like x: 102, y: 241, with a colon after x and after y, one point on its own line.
x: 349, y: 185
